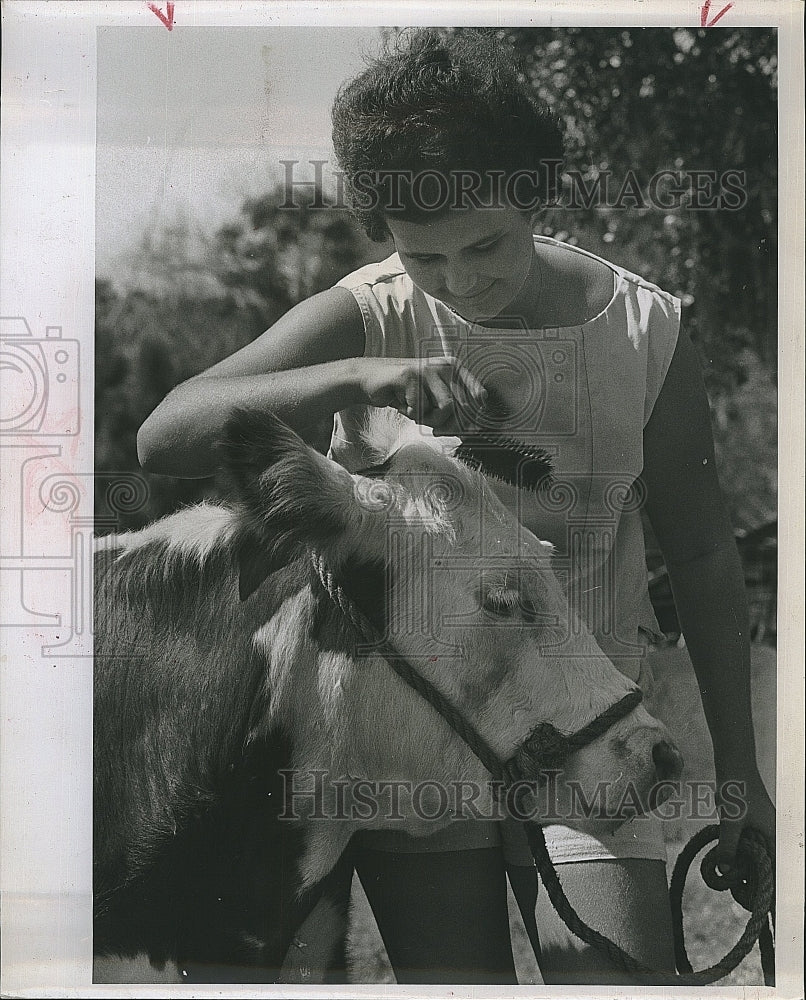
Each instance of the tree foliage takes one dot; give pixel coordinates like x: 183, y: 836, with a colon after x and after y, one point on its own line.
x: 274, y: 256
x: 644, y: 100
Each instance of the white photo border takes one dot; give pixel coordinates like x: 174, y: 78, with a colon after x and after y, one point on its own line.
x: 48, y: 273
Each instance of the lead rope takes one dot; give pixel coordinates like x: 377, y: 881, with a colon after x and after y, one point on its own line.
x: 751, y: 882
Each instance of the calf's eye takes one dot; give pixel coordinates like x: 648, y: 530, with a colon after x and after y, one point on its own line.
x: 510, y: 604
x: 502, y: 603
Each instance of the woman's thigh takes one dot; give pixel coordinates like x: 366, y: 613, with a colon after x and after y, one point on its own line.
x: 627, y: 900
x: 442, y: 914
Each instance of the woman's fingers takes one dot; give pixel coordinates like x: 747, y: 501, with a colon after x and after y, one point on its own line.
x: 434, y: 391
x: 438, y: 397
x: 412, y: 399
x: 473, y: 389
x: 428, y: 392
x: 457, y: 395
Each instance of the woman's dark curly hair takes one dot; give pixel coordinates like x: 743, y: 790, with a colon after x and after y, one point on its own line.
x: 439, y: 105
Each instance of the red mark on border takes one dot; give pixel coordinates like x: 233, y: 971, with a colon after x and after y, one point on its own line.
x: 704, y: 22
x: 167, y: 19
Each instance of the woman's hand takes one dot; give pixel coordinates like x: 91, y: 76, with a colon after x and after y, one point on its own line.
x: 746, y: 796
x: 440, y: 392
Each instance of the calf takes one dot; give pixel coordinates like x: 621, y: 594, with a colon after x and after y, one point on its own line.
x: 225, y: 670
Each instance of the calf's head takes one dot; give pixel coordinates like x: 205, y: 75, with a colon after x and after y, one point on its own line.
x: 461, y: 590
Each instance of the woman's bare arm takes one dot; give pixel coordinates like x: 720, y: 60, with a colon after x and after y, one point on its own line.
x: 305, y: 368
x: 299, y: 369
x: 687, y: 512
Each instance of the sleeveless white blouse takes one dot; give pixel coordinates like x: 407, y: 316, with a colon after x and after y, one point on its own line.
x: 584, y: 394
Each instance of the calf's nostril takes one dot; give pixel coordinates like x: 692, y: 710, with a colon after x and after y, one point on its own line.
x: 667, y: 760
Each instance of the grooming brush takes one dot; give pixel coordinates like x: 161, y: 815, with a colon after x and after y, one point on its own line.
x: 521, y: 465
x: 502, y: 457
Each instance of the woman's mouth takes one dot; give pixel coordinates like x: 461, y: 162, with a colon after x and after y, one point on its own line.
x: 470, y: 299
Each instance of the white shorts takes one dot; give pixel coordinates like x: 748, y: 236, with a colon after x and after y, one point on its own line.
x: 641, y: 837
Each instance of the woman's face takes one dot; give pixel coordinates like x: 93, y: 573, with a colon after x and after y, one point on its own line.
x: 474, y: 260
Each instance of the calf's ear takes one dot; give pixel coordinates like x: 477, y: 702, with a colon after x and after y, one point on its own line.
x: 292, y: 498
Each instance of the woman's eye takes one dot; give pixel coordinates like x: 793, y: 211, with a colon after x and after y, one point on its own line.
x: 421, y: 258
x: 484, y: 247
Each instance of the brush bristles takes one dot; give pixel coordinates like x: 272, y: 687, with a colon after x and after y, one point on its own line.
x: 520, y: 465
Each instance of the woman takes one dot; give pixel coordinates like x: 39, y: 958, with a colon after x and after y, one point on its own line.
x: 446, y: 152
